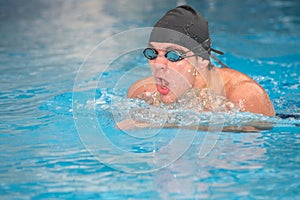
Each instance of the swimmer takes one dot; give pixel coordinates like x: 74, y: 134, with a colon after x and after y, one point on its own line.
x: 179, y: 54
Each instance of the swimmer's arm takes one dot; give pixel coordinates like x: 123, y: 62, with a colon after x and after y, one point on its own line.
x: 130, y: 124
x: 143, y: 85
x: 251, y: 97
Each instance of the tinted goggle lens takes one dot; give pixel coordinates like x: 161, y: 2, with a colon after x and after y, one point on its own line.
x: 172, y: 56
x: 150, y: 53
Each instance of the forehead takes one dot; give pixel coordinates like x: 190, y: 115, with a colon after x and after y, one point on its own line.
x: 165, y: 46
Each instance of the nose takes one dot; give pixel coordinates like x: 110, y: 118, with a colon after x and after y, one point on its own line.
x: 161, y: 62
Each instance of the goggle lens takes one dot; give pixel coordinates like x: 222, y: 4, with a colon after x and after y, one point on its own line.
x: 150, y: 53
x: 173, y: 56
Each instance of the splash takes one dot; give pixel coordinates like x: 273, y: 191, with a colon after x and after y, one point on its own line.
x: 190, y: 110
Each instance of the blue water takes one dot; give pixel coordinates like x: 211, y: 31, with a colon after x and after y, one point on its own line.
x: 56, y: 93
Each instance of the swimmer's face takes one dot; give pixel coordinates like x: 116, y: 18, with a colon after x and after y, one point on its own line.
x: 173, y: 79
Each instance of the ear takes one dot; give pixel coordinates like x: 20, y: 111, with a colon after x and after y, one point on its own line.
x: 203, y: 63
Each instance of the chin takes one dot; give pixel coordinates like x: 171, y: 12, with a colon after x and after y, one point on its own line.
x: 169, y: 98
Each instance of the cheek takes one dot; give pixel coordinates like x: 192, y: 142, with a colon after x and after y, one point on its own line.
x: 152, y: 68
x: 186, y: 73
x: 182, y: 79
x: 150, y: 63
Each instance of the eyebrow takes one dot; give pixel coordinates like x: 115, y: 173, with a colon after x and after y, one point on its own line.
x: 181, y: 51
x: 171, y: 48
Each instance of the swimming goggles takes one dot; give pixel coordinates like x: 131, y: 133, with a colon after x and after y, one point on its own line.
x: 171, y: 55
x: 175, y: 56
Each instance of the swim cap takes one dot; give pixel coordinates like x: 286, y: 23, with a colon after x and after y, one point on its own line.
x: 186, y: 27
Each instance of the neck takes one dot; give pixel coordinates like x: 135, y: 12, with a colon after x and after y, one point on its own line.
x: 210, y: 78
x: 202, y: 79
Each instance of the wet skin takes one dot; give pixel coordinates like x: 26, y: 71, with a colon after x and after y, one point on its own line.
x: 173, y: 79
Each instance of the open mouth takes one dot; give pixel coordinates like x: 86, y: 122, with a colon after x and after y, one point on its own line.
x: 162, y: 86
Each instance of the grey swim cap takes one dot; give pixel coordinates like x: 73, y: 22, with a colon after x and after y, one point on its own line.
x: 186, y: 27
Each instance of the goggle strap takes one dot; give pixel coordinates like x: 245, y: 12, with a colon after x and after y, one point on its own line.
x: 217, y: 51
x: 219, y: 61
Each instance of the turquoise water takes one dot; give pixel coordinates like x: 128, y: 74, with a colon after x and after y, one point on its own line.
x: 45, y: 150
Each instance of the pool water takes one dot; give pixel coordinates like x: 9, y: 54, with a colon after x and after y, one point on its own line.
x: 57, y: 93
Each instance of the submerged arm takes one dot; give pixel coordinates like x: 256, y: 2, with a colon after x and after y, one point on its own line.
x: 251, y: 127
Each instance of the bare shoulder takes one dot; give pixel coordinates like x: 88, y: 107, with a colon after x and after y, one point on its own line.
x: 246, y: 92
x: 232, y: 77
x: 235, y: 80
x: 140, y: 86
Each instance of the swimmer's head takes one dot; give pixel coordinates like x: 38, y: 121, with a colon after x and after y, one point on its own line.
x: 186, y: 27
